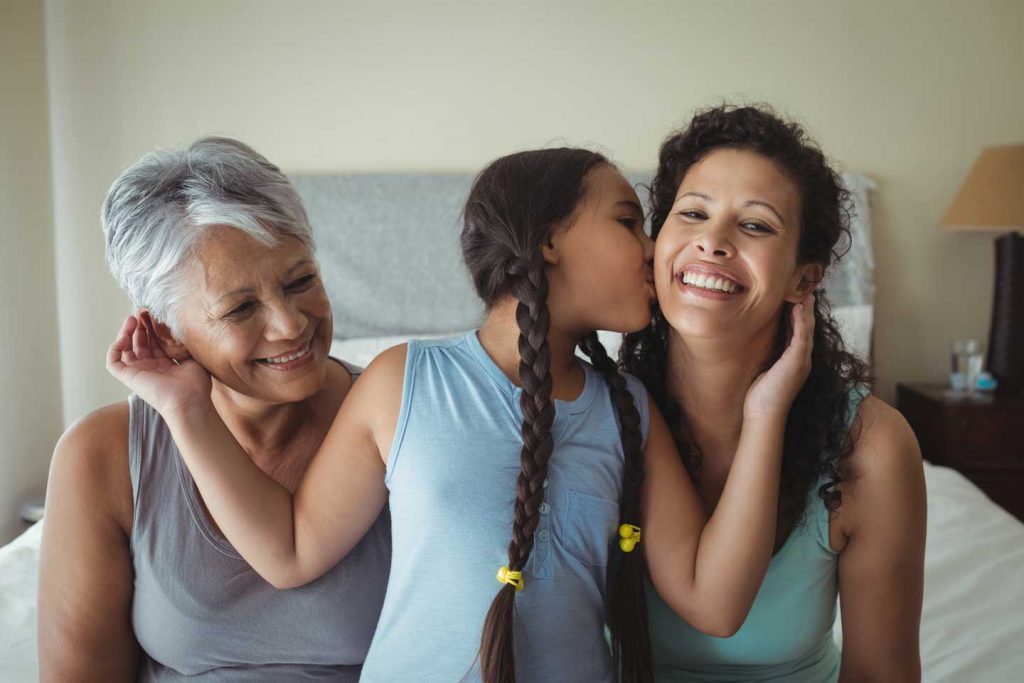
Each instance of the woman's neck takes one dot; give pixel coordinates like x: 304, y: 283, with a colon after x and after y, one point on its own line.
x: 499, y: 335
x: 709, y: 379
x: 264, y: 429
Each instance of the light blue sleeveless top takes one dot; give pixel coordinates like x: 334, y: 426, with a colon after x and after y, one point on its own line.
x: 788, y: 634
x: 452, y: 476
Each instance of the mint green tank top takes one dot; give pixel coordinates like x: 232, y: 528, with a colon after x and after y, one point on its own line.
x: 788, y: 634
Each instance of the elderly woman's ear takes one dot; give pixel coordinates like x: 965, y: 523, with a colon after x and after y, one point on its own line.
x: 163, y: 336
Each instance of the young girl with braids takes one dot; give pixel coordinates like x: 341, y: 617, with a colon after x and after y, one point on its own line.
x: 503, y: 434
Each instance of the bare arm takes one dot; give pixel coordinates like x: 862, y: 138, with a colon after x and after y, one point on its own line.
x: 881, y: 569
x: 288, y: 539
x: 710, y: 570
x: 85, y: 567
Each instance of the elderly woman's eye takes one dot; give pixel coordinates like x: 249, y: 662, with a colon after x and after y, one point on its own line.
x: 242, y: 309
x: 302, y: 283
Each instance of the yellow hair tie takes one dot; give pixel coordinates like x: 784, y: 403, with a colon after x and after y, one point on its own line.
x: 629, y: 536
x: 506, y: 575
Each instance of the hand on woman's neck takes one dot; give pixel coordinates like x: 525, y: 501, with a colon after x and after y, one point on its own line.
x: 709, y: 379
x: 499, y: 335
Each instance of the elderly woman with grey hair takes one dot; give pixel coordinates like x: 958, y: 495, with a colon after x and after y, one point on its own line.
x: 136, y: 581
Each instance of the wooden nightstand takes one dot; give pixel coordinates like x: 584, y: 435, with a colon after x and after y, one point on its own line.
x: 984, y: 441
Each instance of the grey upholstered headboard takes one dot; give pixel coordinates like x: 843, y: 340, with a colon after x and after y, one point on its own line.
x: 388, y: 245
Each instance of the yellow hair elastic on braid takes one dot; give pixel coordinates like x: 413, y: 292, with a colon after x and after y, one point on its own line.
x: 506, y: 575
x: 629, y: 536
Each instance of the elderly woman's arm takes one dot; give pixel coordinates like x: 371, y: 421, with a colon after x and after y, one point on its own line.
x: 85, y: 568
x: 881, y: 567
x: 288, y: 539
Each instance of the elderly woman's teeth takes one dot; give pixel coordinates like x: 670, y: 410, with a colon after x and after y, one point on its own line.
x: 709, y: 282
x: 277, y: 360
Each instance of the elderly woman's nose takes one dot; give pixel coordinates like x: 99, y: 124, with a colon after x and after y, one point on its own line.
x: 285, y: 320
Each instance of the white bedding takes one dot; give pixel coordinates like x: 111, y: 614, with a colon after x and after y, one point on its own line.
x: 971, y: 629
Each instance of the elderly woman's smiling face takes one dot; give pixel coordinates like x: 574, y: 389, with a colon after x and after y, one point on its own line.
x: 257, y: 317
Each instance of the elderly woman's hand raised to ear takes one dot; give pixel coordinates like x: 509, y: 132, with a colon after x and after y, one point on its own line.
x: 168, y: 385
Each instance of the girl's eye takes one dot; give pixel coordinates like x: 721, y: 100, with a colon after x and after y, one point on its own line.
x: 302, y: 283
x: 630, y: 223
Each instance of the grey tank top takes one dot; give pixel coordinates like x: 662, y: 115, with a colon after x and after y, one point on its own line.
x: 201, y: 613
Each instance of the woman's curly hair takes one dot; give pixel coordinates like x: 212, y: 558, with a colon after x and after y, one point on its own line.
x: 817, y: 441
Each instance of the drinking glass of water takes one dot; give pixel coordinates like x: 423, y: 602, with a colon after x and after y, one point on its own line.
x: 967, y: 358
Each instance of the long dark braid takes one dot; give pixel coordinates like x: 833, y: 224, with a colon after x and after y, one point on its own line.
x: 627, y: 605
x: 530, y: 288
x: 515, y: 204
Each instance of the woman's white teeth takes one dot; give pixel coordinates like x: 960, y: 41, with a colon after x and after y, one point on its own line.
x: 277, y: 360
x: 709, y: 282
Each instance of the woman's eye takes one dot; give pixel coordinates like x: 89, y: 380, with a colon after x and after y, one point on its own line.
x: 693, y: 214
x: 630, y: 223
x: 302, y: 283
x: 757, y: 227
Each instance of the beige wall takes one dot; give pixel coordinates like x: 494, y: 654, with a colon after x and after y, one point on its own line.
x: 906, y: 91
x: 30, y: 400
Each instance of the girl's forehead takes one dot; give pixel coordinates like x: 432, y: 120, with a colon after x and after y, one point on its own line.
x: 607, y: 186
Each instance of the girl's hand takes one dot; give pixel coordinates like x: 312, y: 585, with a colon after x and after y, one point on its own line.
x: 772, y: 393
x: 170, y: 386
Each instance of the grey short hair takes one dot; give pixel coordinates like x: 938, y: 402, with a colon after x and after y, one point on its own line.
x: 159, y: 208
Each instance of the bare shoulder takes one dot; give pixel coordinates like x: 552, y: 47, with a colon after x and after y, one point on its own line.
x: 90, y: 463
x: 373, y: 404
x: 885, y: 464
x: 388, y: 364
x: 383, y: 377
x: 883, y: 440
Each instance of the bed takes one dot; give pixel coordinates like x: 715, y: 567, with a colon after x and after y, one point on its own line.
x: 392, y: 239
x: 971, y: 627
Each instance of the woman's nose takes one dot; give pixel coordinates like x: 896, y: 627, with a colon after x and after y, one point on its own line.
x: 714, y: 241
x: 285, y: 321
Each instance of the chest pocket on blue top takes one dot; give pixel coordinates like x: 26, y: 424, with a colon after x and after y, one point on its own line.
x: 589, y: 524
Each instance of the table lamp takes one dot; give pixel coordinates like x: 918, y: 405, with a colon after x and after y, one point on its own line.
x: 991, y: 200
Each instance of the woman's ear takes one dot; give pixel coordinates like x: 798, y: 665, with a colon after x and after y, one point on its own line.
x: 807, y: 277
x: 160, y: 332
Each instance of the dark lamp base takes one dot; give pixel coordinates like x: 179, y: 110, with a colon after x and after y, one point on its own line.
x: 1006, y: 337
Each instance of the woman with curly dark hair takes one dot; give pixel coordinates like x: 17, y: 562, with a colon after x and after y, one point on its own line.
x: 748, y: 216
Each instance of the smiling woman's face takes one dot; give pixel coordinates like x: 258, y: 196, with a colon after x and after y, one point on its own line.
x: 258, y: 317
x: 726, y: 257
